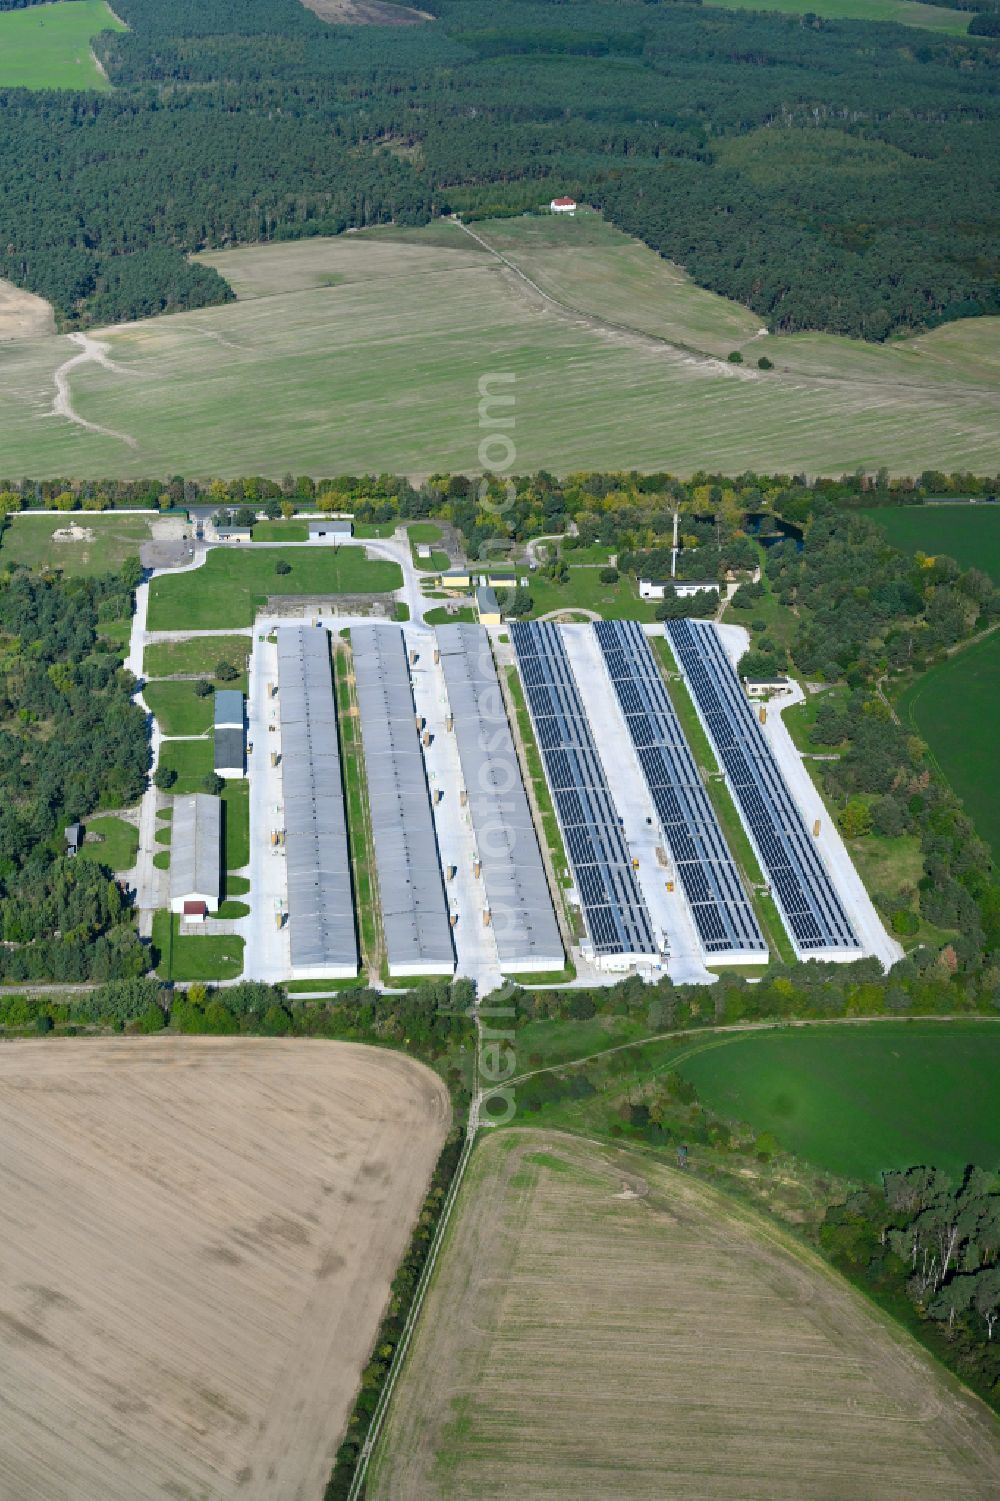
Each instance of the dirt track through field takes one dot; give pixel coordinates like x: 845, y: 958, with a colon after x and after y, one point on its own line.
x: 199, y: 1237
x: 604, y: 1326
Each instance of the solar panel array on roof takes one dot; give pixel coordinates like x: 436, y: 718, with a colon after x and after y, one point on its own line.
x: 721, y: 910
x: 799, y: 880
x: 320, y: 905
x: 527, y: 934
x: 615, y: 912
x: 414, y: 910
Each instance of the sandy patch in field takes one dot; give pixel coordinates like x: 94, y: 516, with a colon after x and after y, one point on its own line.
x: 22, y: 314
x: 199, y: 1237
x: 585, y: 1338
x: 366, y: 13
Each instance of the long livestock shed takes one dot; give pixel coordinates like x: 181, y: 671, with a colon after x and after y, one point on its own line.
x: 719, y: 905
x: 320, y: 905
x: 799, y: 880
x: 196, y: 853
x: 517, y: 892
x: 615, y: 913
x: 414, y: 911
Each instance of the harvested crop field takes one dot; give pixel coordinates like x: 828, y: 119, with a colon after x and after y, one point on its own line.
x: 199, y: 1238
x: 367, y: 350
x: 601, y: 1325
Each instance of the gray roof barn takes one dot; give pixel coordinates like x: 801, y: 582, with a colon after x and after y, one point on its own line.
x: 330, y: 526
x: 228, y: 708
x: 196, y: 848
x: 414, y: 910
x: 521, y: 913
x: 230, y: 751
x: 320, y: 901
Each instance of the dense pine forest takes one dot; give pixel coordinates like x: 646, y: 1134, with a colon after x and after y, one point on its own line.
x: 835, y: 175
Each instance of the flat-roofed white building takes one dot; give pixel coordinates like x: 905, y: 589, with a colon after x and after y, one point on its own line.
x: 196, y: 856
x: 683, y: 588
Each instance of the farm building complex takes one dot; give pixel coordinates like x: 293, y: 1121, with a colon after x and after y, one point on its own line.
x: 409, y: 817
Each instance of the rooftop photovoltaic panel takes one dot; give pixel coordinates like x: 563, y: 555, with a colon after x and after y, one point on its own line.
x: 521, y: 914
x: 615, y: 914
x: 719, y: 905
x: 320, y: 900
x: 799, y: 880
x: 411, y: 891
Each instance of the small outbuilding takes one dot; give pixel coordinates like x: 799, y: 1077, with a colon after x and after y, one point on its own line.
x: 226, y: 531
x: 330, y: 528
x: 563, y: 206
x: 488, y: 606
x: 196, y: 855
x: 764, y: 687
x: 74, y: 838
x: 456, y: 578
x: 229, y: 758
x: 683, y: 588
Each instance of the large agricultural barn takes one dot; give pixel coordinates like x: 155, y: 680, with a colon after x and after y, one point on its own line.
x: 411, y: 893
x: 320, y: 904
x: 196, y: 856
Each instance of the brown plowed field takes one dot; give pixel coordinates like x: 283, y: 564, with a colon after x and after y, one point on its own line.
x: 602, y: 1326
x: 198, y: 1240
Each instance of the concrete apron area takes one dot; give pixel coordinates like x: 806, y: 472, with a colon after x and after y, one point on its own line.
x: 850, y: 888
x: 668, y: 910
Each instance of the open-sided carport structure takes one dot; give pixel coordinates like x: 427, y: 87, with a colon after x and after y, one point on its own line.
x: 516, y: 890
x: 322, y: 936
x: 414, y: 913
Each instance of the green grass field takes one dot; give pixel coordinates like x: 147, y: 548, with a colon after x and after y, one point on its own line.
x: 281, y: 531
x: 372, y: 346
x: 191, y: 759
x: 232, y: 586
x: 119, y: 842
x: 178, y: 709
x: 197, y: 656
x: 858, y: 1100
x: 969, y: 534
x: 236, y: 821
x: 117, y: 534
x: 441, y: 616
x: 583, y: 590
x: 903, y: 12
x: 956, y: 709
x: 48, y: 46
x: 205, y: 956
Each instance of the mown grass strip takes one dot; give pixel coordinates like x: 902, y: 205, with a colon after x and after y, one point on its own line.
x: 358, y: 822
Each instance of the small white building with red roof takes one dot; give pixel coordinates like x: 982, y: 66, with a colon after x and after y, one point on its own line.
x: 563, y: 205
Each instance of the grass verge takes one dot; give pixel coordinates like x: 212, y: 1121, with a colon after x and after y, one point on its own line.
x: 358, y: 822
x: 204, y: 957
